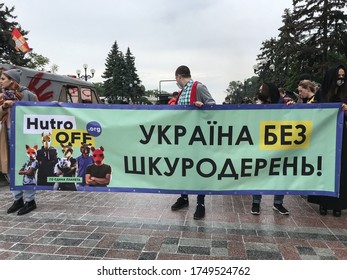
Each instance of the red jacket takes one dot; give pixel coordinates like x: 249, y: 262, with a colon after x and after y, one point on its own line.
x: 173, y: 101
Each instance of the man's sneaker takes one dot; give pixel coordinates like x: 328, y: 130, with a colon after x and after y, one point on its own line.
x: 179, y: 204
x: 199, y: 212
x: 280, y: 209
x: 255, y: 209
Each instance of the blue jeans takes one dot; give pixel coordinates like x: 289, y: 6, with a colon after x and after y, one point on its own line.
x: 26, y: 195
x: 278, y: 199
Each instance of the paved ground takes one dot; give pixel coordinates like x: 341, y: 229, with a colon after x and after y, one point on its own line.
x: 81, y: 225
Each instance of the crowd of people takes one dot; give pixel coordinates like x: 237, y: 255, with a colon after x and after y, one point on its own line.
x: 333, y: 89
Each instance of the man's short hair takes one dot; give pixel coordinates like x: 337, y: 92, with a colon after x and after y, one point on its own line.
x: 183, y: 71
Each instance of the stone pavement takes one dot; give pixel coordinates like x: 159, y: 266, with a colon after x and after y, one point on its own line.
x: 83, y: 225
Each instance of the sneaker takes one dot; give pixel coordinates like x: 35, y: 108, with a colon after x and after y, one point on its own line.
x: 179, y: 204
x: 255, y: 209
x: 280, y: 209
x: 199, y: 212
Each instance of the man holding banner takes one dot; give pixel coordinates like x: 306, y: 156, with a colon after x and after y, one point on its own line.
x: 192, y: 93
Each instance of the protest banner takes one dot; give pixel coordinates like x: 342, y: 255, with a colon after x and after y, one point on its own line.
x: 219, y: 149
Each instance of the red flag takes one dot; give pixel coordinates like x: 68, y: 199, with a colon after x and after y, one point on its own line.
x: 21, y: 44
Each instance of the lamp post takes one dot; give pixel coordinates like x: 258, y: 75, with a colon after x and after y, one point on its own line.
x: 86, y: 77
x: 262, y: 65
x: 249, y: 84
x: 134, y: 89
x: 257, y: 67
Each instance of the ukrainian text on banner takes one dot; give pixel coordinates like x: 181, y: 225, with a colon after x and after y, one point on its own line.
x: 220, y: 149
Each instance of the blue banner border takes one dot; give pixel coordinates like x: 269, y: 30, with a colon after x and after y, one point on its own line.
x: 339, y: 132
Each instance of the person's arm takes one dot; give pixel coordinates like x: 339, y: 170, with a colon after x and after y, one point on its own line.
x: 203, y: 96
x: 88, y: 179
x: 73, y: 168
x: 102, y: 181
x: 7, y: 104
x: 344, y: 108
x: 30, y: 172
x: 22, y: 170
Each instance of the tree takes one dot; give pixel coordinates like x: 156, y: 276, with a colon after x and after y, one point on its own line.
x: 8, y: 54
x: 100, y: 88
x: 54, y: 68
x: 287, y: 63
x: 152, y: 93
x: 312, y: 38
x: 37, y: 61
x: 238, y: 90
x: 135, y: 90
x: 266, y: 60
x: 322, y: 24
x: 115, y: 75
x: 122, y: 82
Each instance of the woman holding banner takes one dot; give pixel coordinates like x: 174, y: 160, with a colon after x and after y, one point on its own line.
x: 334, y: 89
x: 269, y: 94
x: 12, y: 91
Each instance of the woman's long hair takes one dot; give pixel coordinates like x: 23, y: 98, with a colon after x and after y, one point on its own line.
x: 329, y: 91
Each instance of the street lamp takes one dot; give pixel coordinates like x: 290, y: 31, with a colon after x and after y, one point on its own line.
x: 131, y: 85
x: 245, y: 85
x: 259, y: 65
x: 259, y: 68
x: 134, y: 89
x: 86, y: 77
x: 256, y: 68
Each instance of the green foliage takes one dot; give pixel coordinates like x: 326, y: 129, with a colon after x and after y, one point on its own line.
x: 152, y: 93
x: 54, y: 68
x: 8, y: 53
x: 122, y: 82
x: 114, y: 74
x: 100, y: 89
x: 237, y: 90
x: 37, y: 61
x: 312, y: 38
